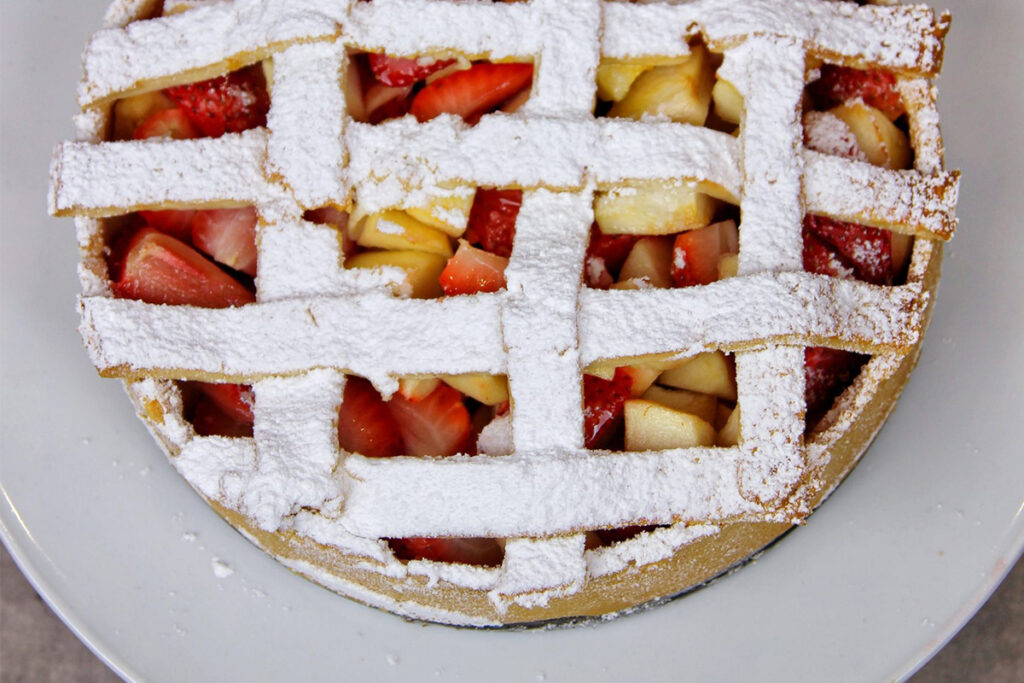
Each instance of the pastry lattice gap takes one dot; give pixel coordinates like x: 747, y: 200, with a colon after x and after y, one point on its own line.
x: 545, y: 327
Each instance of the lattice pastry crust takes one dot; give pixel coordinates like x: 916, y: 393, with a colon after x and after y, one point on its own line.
x: 323, y: 512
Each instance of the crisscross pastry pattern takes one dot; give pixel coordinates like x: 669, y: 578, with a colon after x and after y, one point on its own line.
x: 322, y: 511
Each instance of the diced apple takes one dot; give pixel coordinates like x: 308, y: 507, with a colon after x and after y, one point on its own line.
x: 652, y: 208
x: 728, y: 101
x: 417, y: 388
x: 881, y: 141
x: 605, y: 368
x: 649, y: 260
x: 702, y: 405
x: 399, y: 230
x: 614, y: 78
x: 422, y: 270
x: 654, y: 427
x: 729, y: 434
x: 448, y: 213
x: 488, y: 389
x: 131, y: 111
x: 680, y: 91
x: 728, y: 265
x: 706, y: 373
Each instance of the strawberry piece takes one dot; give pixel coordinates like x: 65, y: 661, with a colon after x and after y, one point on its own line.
x: 473, y: 270
x: 329, y: 215
x: 695, y: 257
x: 228, y: 236
x: 839, y: 84
x: 822, y: 258
x: 167, y: 123
x: 159, y: 269
x: 473, y: 92
x: 382, y: 102
x: 365, y: 425
x: 828, y: 372
x: 484, y: 552
x: 400, y: 71
x: 604, y: 401
x: 868, y: 250
x: 177, y: 224
x: 438, y: 424
x: 605, y: 256
x: 492, y: 220
x: 227, y: 104
x: 234, y: 400
x: 208, y: 419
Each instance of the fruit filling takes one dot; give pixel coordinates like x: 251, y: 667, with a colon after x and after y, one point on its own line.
x: 655, y: 403
x: 459, y: 244
x: 683, y: 89
x: 380, y: 87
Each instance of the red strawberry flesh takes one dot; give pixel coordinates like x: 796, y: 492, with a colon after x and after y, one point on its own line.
x: 604, y: 402
x: 472, y: 271
x: 228, y: 236
x: 401, y: 71
x: 167, y: 123
x: 605, y: 256
x: 840, y: 84
x: 485, y: 552
x: 231, y: 103
x: 867, y: 249
x: 438, y: 424
x: 472, y: 92
x: 492, y: 220
x: 828, y: 372
x: 365, y: 425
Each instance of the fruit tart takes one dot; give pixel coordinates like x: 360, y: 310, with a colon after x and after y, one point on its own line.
x: 521, y: 311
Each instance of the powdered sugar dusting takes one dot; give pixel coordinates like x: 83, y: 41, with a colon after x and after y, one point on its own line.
x: 315, y: 320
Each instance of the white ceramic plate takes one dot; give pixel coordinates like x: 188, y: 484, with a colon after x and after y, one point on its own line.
x: 883, y: 575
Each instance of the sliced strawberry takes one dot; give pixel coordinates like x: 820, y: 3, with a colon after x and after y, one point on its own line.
x: 822, y: 258
x: 473, y: 92
x: 234, y: 400
x: 382, y: 102
x: 399, y: 71
x: 365, y: 425
x: 473, y: 270
x: 695, y: 257
x: 228, y: 236
x: 828, y: 372
x: 875, y: 87
x: 159, y: 269
x: 208, y: 419
x: 328, y: 215
x: 492, y: 220
x: 605, y: 256
x: 869, y: 250
x: 485, y: 552
x: 167, y: 123
x: 171, y: 222
x: 227, y: 104
x: 604, y: 401
x: 438, y: 424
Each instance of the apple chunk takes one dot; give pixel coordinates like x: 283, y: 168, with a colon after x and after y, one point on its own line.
x: 729, y: 434
x: 653, y: 208
x: 399, y: 230
x: 706, y: 373
x: 654, y: 427
x: 728, y: 101
x: 881, y: 141
x: 682, y: 92
x: 614, y: 78
x: 488, y: 389
x: 702, y: 405
x: 422, y: 270
x: 650, y: 261
x: 448, y: 213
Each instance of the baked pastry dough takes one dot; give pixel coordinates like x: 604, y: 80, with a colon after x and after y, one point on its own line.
x: 326, y: 513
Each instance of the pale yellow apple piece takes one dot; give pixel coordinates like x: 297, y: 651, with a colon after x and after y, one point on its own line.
x: 615, y: 77
x: 706, y: 373
x: 702, y: 405
x: 654, y: 427
x: 461, y: 63
x: 132, y: 111
x: 399, y: 230
x: 448, y: 213
x: 422, y: 270
x: 605, y: 368
x: 728, y: 101
x: 681, y: 91
x: 488, y: 389
x: 729, y: 434
x: 881, y: 141
x: 728, y: 265
x: 902, y: 248
x: 417, y: 388
x: 652, y: 208
x: 649, y: 260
